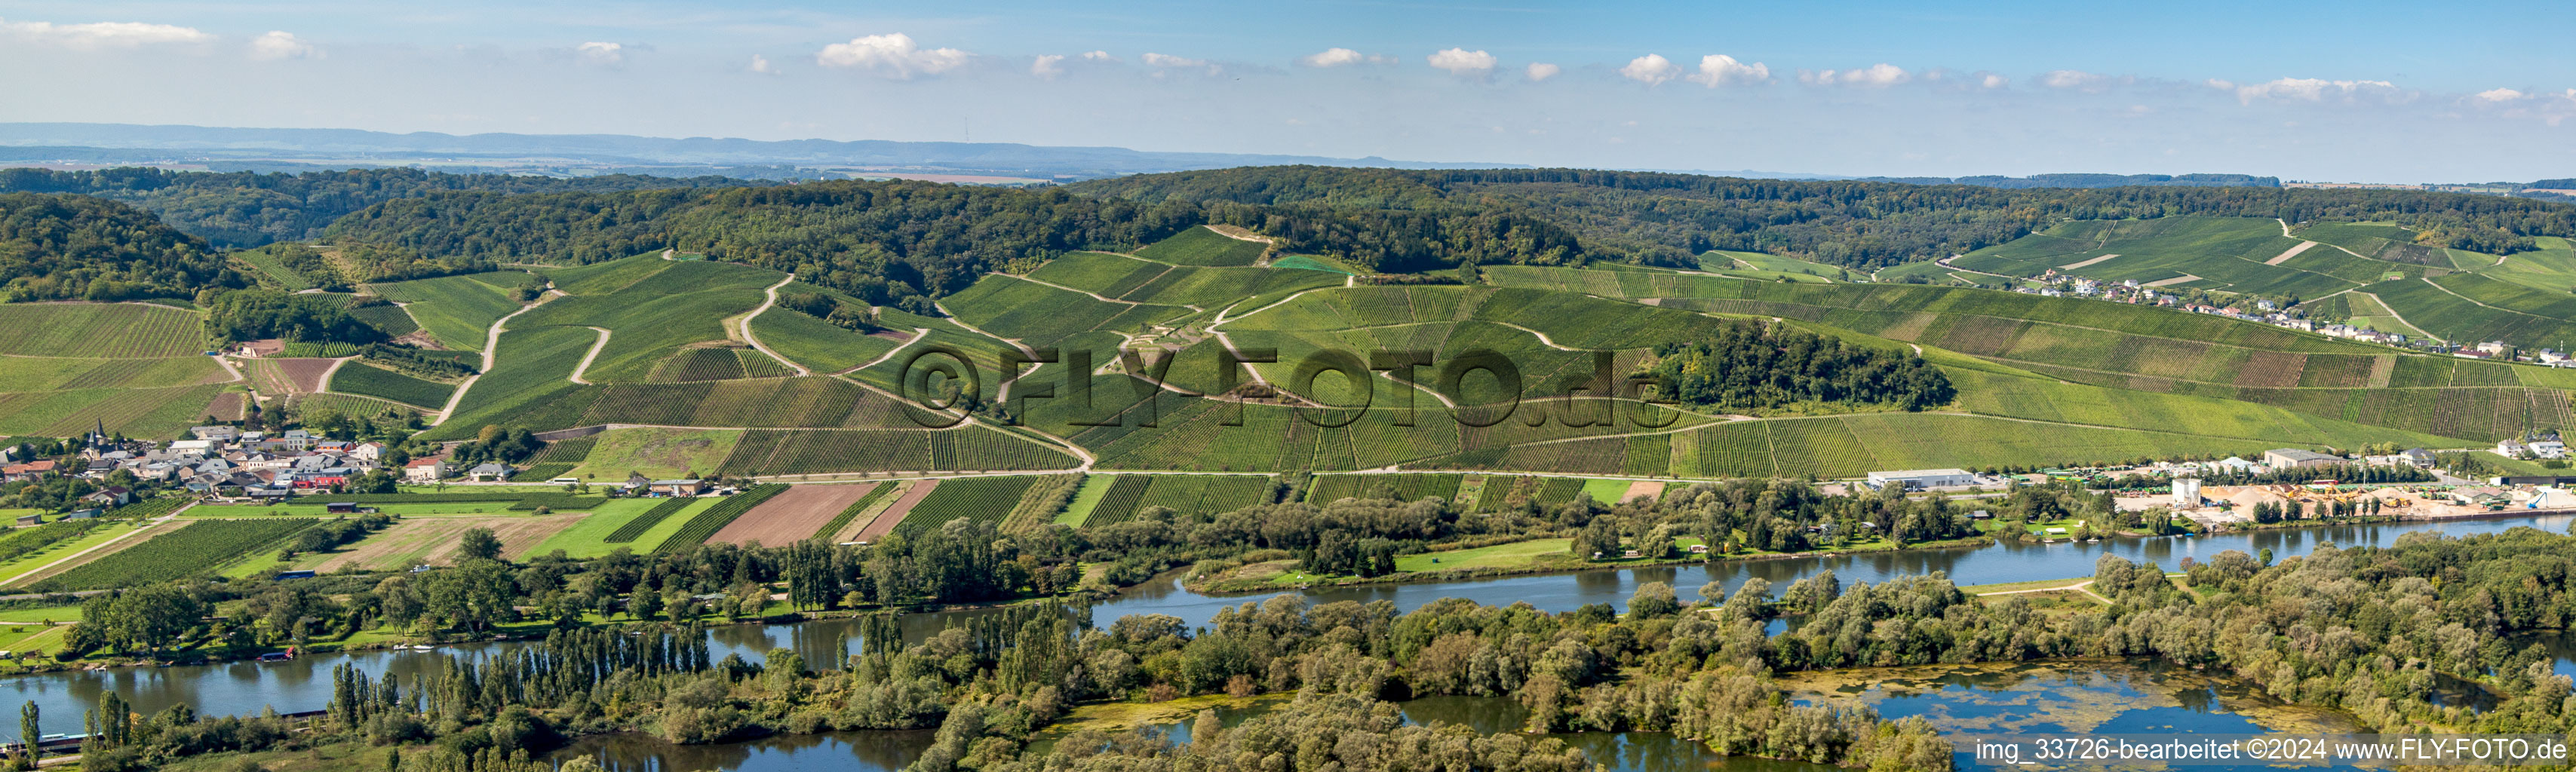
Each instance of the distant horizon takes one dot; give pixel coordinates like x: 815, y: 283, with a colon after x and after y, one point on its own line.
x: 6, y: 142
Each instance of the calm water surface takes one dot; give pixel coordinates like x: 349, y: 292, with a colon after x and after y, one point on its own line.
x: 305, y: 684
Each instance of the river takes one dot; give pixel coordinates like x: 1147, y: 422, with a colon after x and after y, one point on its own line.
x: 305, y: 684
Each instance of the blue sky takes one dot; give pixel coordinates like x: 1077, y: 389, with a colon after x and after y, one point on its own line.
x: 2344, y: 91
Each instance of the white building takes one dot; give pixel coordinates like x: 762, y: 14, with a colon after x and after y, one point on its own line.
x: 1914, y: 479
x: 425, y: 470
x: 2186, y: 494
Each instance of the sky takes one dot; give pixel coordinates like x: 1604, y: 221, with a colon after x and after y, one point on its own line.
x: 2347, y: 91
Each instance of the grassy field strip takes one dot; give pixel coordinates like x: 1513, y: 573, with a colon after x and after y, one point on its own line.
x: 652, y: 538
x: 1094, y: 488
x: 589, y: 538
x: 880, y: 500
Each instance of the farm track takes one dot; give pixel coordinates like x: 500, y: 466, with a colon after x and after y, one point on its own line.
x: 2290, y: 253
x: 918, y: 333
x: 586, y: 357
x: 2392, y: 314
x: 491, y: 348
x: 772, y: 299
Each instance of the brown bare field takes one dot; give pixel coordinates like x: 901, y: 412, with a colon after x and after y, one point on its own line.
x: 791, y: 516
x: 304, y: 374
x: 885, y: 520
x: 429, y: 540
x: 226, y: 405
x: 1651, y: 489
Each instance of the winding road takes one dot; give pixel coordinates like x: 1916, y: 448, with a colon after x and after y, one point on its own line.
x: 491, y: 347
x: 772, y: 293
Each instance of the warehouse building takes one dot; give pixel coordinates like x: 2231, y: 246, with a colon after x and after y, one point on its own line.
x: 1916, y: 479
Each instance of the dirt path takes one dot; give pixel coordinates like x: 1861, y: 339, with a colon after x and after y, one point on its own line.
x: 2392, y: 314
x: 587, y: 356
x: 2185, y: 278
x: 772, y: 293
x: 2085, y: 587
x: 1945, y: 263
x: 1094, y: 295
x: 2285, y: 228
x: 333, y: 372
x: 918, y: 333
x: 2082, y: 263
x: 2290, y: 253
x: 491, y: 348
x: 227, y: 363
x: 1542, y: 337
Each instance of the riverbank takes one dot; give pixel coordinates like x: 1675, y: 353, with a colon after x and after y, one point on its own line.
x: 1538, y: 557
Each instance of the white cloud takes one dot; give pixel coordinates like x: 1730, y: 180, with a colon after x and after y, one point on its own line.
x: 1462, y: 62
x: 1098, y: 56
x: 761, y: 64
x: 1719, y: 69
x: 1336, y: 57
x: 2314, y: 89
x: 2498, y: 95
x: 1991, y: 80
x: 1047, y: 66
x: 1878, y: 75
x: 1539, y: 71
x: 1651, y: 69
x: 597, y: 52
x: 894, y: 56
x: 282, y: 45
x: 2075, y: 79
x: 1167, y: 60
x: 105, y: 34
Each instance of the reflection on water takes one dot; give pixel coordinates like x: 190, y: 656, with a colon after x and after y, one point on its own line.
x: 826, y: 752
x: 1617, y: 751
x: 305, y: 684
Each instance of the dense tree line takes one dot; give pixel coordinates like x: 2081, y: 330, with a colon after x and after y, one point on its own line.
x: 1748, y: 365
x: 1669, y: 218
x: 247, y: 209
x: 258, y: 314
x: 64, y: 247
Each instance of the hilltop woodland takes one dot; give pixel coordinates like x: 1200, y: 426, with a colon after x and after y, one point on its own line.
x: 1748, y: 365
x: 1669, y: 219
x: 248, y: 209
x: 2367, y: 631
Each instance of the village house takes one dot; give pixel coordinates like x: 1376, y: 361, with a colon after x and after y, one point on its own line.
x: 488, y: 472
x: 425, y: 470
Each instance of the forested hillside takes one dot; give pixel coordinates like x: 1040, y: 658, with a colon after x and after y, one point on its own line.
x: 1669, y: 218
x: 244, y: 209
x: 63, y: 247
x: 893, y: 242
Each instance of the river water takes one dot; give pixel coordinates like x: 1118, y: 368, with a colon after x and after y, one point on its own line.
x: 305, y: 684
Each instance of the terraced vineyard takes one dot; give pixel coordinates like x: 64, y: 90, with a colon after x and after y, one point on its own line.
x: 197, y: 549
x: 1203, y: 246
x: 368, y: 380
x: 985, y: 499
x: 99, y: 330
x: 457, y: 310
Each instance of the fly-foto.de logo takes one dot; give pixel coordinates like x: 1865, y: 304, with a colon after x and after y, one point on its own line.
x: 1330, y: 388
